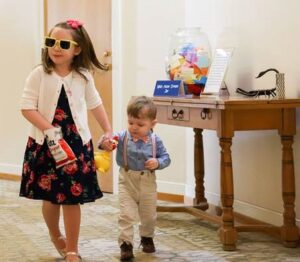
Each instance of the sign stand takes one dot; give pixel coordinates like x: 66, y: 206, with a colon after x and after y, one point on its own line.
x: 169, y: 88
x: 217, y: 71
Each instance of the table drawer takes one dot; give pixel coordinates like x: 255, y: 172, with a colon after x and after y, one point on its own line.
x: 178, y: 113
x: 187, y: 116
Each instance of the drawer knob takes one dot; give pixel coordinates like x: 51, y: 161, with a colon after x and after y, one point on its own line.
x: 205, y: 113
x: 177, y: 115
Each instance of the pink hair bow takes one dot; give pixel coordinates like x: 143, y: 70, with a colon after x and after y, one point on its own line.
x: 74, y: 23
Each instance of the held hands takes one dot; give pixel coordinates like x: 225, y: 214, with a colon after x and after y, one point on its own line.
x: 107, y: 143
x: 102, y: 158
x: 59, y: 148
x: 151, y: 164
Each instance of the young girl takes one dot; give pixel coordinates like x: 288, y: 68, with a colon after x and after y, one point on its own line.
x: 59, y: 165
x: 139, y: 153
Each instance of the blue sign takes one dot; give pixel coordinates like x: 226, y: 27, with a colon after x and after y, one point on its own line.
x: 168, y: 88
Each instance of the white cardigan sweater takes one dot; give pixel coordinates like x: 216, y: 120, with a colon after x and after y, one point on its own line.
x: 41, y: 93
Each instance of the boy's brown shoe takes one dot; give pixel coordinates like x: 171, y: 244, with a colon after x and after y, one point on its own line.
x: 126, y: 252
x: 147, y: 244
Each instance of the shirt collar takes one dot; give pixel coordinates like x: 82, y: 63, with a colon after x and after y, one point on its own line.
x: 145, y: 139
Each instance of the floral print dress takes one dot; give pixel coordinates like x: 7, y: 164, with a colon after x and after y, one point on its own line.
x: 71, y: 184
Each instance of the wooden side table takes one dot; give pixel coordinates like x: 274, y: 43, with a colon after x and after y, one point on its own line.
x: 225, y: 116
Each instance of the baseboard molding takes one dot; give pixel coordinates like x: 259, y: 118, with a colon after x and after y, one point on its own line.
x: 10, y: 177
x: 249, y: 210
x: 170, y: 197
x: 241, y: 207
x: 250, y: 218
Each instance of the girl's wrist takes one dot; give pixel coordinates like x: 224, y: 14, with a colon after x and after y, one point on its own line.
x: 101, y: 140
x: 107, y: 132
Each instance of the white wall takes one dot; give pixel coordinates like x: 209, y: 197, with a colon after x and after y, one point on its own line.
x: 264, y: 34
x: 156, y: 20
x: 21, y: 30
x: 143, y: 28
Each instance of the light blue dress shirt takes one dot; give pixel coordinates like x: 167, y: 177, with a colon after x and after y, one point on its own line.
x: 138, y: 152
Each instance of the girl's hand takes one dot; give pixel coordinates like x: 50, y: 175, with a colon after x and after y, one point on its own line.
x: 59, y: 148
x: 108, y: 143
x: 151, y: 164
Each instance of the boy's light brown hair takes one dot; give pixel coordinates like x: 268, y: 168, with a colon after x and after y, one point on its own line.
x: 141, y: 107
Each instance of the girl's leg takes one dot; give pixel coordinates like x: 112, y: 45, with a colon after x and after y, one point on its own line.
x: 51, y: 213
x: 72, y: 214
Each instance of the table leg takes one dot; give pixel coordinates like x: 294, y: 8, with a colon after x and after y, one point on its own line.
x: 227, y: 231
x: 199, y: 201
x: 289, y: 230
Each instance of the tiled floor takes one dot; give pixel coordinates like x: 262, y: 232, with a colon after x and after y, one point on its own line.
x: 180, y: 237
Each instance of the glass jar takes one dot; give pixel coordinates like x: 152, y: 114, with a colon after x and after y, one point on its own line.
x: 189, y: 59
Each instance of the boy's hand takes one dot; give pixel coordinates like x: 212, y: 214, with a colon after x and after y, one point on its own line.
x: 108, y: 144
x: 59, y: 148
x: 151, y: 164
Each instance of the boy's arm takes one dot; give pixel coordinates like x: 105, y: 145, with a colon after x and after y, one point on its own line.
x: 162, y: 155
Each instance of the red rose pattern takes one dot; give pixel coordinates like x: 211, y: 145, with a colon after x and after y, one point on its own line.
x: 45, y: 182
x: 71, y: 169
x: 30, y: 142
x: 72, y: 184
x: 72, y: 129
x: 26, y: 168
x: 88, y: 147
x: 30, y: 181
x: 60, y: 114
x: 85, y: 168
x: 81, y: 157
x: 76, y: 189
x: 60, y: 197
x: 93, y: 165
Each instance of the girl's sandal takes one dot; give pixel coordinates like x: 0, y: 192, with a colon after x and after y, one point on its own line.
x: 55, y: 240
x: 75, y: 257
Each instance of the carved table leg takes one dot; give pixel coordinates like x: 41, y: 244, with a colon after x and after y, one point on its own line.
x: 199, y: 201
x: 228, y: 234
x: 289, y: 230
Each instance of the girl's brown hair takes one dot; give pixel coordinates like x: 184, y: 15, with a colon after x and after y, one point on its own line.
x: 86, y: 59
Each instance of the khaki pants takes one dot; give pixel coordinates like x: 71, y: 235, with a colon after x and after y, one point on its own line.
x: 137, y: 198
